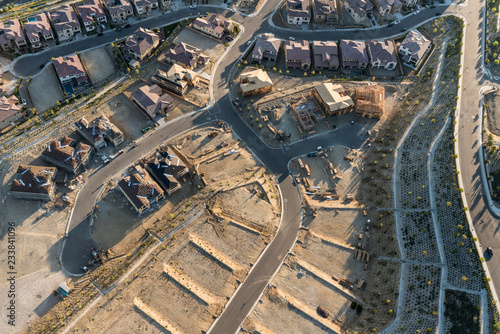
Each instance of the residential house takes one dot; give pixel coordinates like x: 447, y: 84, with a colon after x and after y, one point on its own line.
x: 65, y: 22
x: 67, y: 154
x: 297, y: 54
x: 298, y: 11
x: 409, y: 3
x: 177, y: 79
x: 145, y: 7
x: 33, y: 183
x: 266, y: 47
x: 98, y: 131
x: 186, y: 55
x: 166, y: 4
x: 358, y: 9
x: 333, y: 98
x: 354, y: 54
x: 37, y: 29
x: 152, y: 101
x: 413, y: 48
x: 140, y: 189
x: 119, y: 10
x: 382, y: 54
x: 11, y: 35
x: 141, y: 43
x: 10, y: 111
x: 370, y: 101
x: 91, y: 13
x: 214, y: 25
x: 386, y: 7
x: 325, y: 11
x: 326, y: 55
x: 255, y: 82
x: 69, y: 69
x: 167, y: 169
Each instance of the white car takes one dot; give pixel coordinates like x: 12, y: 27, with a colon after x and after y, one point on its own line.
x: 249, y: 42
x: 416, y: 12
x: 24, y: 102
x: 192, y: 7
x: 397, y: 22
x: 291, y: 38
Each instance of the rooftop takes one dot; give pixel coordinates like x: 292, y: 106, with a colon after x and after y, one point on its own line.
x: 141, y: 41
x: 353, y: 51
x: 152, y: 99
x: 298, y: 8
x: 383, y: 51
x: 39, y: 23
x: 64, y: 18
x: 97, y: 128
x: 333, y: 96
x: 9, y: 106
x: 186, y: 54
x: 140, y: 187
x: 416, y: 43
x: 253, y: 80
x: 326, y: 54
x: 298, y: 51
x: 33, y: 179
x: 69, y: 65
x: 11, y: 31
x: 265, y: 43
x: 63, y: 151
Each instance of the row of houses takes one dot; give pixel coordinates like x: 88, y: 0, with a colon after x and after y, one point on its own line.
x: 318, y: 11
x: 70, y: 19
x: 348, y: 54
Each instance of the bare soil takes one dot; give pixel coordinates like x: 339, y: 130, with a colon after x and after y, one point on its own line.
x: 98, y: 63
x: 45, y: 89
x: 492, y: 100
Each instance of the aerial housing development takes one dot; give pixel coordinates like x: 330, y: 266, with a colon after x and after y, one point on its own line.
x: 257, y: 166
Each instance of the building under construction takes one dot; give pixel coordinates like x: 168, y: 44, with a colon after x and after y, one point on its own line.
x: 370, y: 101
x: 306, y: 111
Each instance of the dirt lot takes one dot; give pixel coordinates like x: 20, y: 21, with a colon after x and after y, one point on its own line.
x: 126, y: 116
x: 342, y: 180
x: 492, y: 100
x: 98, y: 63
x: 287, y: 90
x: 210, y: 46
x: 197, y: 269
x: 45, y: 89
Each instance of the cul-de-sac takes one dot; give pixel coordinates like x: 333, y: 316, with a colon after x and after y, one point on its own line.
x: 250, y: 166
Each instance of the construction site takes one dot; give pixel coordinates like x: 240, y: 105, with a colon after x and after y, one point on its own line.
x: 195, y: 254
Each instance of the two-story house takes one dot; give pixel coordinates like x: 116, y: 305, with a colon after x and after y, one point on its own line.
x: 98, y: 131
x: 119, y: 10
x: 10, y: 111
x: 11, y: 35
x: 266, y: 47
x: 298, y: 54
x: 176, y: 80
x: 145, y: 7
x: 140, y: 189
x: 91, y: 13
x: 214, y: 25
x: 414, y: 48
x: 186, y: 55
x: 38, y: 29
x: 358, y: 9
x: 326, y: 55
x: 65, y: 22
x: 298, y: 11
x: 33, y: 183
x: 152, y: 101
x: 67, y: 154
x: 69, y: 69
x: 141, y: 43
x: 382, y: 54
x: 325, y: 11
x: 354, y: 55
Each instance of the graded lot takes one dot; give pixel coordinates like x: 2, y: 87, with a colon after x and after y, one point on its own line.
x: 98, y: 63
x: 45, y: 89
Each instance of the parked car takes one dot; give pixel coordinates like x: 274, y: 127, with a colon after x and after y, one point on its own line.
x: 438, y: 14
x: 291, y: 38
x: 192, y: 7
x: 397, y: 22
x: 404, y: 29
x: 490, y: 251
x: 24, y: 102
x: 390, y: 25
x: 100, y: 34
x: 432, y: 6
x: 249, y: 42
x: 119, y: 29
x: 42, y: 66
x: 127, y: 25
x: 146, y: 129
x: 416, y: 12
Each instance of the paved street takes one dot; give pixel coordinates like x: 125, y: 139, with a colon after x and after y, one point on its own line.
x: 276, y: 159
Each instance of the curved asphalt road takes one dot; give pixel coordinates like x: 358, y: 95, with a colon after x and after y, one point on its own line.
x: 80, y: 239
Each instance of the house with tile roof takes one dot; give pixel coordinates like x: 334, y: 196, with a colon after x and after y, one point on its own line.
x: 326, y: 55
x: 333, y: 98
x: 298, y: 11
x: 186, y: 55
x: 141, y: 43
x: 98, y: 131
x: 266, y: 47
x: 297, y: 54
x: 176, y: 80
x: 214, y: 25
x: 167, y: 168
x: 382, y: 54
x: 65, y: 22
x: 118, y: 10
x: 11, y: 35
x: 145, y: 7
x: 140, y: 189
x: 354, y: 55
x: 325, y: 11
x: 33, y: 183
x: 70, y: 69
x: 358, y: 9
x: 38, y: 29
x: 255, y: 82
x: 10, y: 111
x: 67, y: 154
x: 386, y: 7
x: 91, y: 13
x: 152, y: 101
x: 414, y: 48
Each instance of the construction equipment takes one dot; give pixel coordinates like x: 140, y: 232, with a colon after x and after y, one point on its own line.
x: 308, y: 171
x: 213, y: 134
x: 63, y: 290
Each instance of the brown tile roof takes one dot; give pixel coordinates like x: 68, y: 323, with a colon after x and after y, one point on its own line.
x: 186, y: 55
x: 383, y: 51
x: 298, y: 8
x: 33, y: 179
x: 152, y: 99
x: 69, y: 65
x: 64, y: 18
x: 141, y: 41
x: 11, y: 31
x: 117, y: 6
x: 98, y: 128
x: 62, y: 151
x: 326, y: 54
x: 166, y: 166
x: 39, y: 24
x: 325, y: 7
x: 298, y: 51
x: 361, y: 7
x: 140, y: 187
x: 90, y: 8
x: 9, y: 106
x: 416, y: 43
x: 266, y: 43
x: 353, y: 51
x: 215, y: 22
